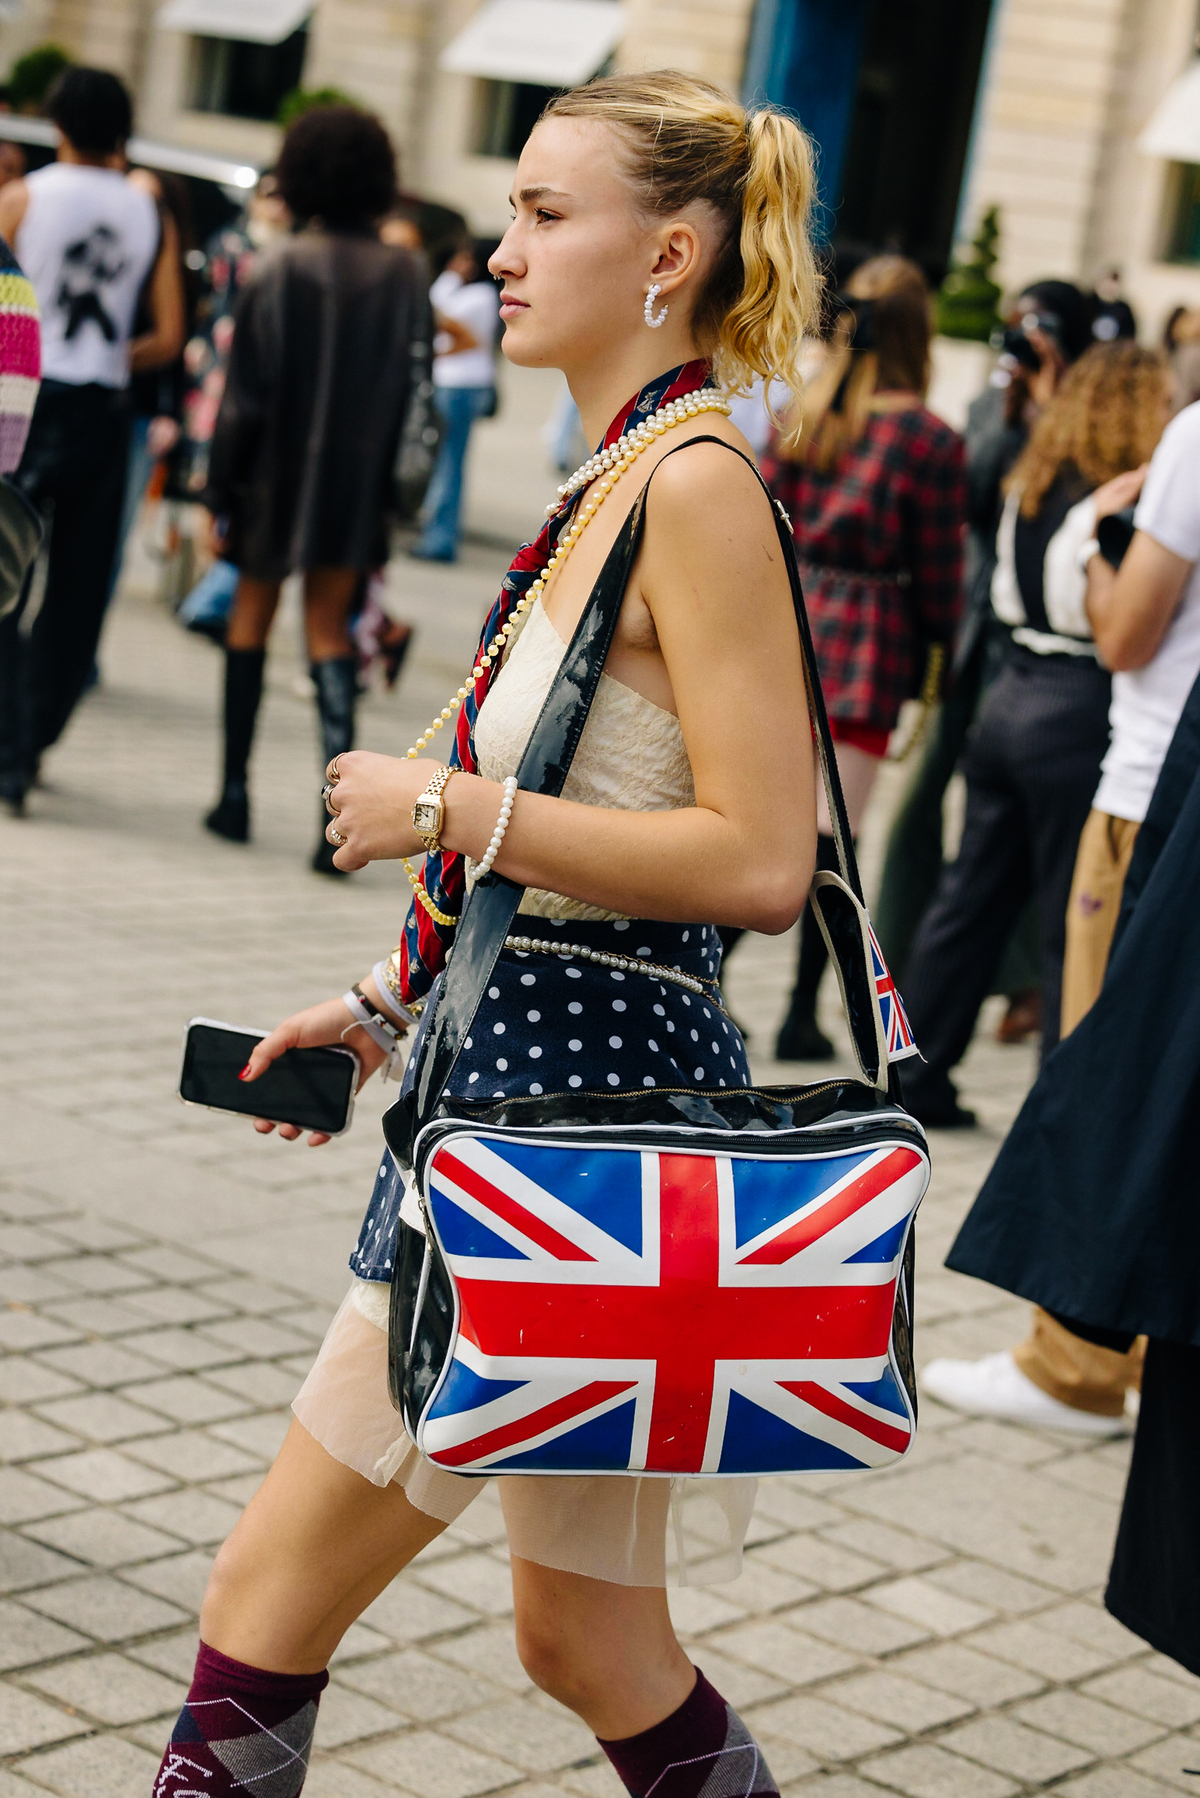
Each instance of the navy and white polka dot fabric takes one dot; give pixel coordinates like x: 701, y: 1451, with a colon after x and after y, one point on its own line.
x: 549, y: 1025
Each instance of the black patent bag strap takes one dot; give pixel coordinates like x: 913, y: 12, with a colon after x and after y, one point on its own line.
x: 492, y: 905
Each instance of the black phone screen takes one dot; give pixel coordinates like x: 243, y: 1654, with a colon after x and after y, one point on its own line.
x: 310, y: 1087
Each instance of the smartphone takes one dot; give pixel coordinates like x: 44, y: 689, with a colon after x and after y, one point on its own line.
x: 310, y: 1087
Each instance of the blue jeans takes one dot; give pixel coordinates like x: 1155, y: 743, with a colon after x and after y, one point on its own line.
x: 459, y: 407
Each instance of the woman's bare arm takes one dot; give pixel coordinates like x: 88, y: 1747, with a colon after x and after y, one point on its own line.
x: 713, y: 578
x: 160, y: 345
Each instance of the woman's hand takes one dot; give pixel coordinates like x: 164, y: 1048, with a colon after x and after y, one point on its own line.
x: 315, y: 1028
x: 372, y: 803
x: 1120, y: 492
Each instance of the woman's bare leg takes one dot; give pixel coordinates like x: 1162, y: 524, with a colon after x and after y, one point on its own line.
x: 252, y: 613
x: 314, y: 1546
x: 328, y: 600
x: 608, y: 1652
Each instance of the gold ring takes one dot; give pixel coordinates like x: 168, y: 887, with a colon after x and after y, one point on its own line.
x: 331, y: 772
x: 334, y: 836
x: 327, y: 796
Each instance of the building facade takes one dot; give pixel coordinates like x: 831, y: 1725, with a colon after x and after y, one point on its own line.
x: 926, y: 111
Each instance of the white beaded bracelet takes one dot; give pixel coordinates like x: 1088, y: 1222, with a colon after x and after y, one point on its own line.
x: 493, y: 849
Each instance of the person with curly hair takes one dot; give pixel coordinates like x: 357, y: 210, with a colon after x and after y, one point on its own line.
x: 331, y: 335
x: 1033, y: 755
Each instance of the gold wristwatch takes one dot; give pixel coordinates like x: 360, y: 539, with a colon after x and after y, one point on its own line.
x: 429, y: 811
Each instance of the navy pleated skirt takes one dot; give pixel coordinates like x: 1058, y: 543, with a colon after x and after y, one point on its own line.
x: 547, y: 1024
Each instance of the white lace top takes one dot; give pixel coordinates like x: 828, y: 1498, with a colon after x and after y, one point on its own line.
x: 631, y: 756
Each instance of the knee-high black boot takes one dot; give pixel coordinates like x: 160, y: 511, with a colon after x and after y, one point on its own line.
x: 800, y: 1036
x: 336, y: 681
x: 230, y: 817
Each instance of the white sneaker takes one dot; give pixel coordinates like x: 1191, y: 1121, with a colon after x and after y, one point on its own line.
x: 996, y: 1387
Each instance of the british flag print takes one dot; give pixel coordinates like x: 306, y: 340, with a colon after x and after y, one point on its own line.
x: 642, y: 1310
x: 896, y: 1027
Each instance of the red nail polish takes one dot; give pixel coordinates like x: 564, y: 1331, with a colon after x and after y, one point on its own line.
x: 244, y: 1071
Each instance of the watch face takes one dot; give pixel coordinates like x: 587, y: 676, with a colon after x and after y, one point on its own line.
x: 427, y: 816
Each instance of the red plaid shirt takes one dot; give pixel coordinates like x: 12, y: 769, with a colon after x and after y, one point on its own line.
x: 880, y: 544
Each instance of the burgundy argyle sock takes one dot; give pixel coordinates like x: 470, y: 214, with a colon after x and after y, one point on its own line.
x: 241, y: 1731
x: 702, y: 1750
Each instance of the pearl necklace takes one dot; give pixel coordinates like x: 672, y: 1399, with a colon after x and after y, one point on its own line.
x: 606, y: 469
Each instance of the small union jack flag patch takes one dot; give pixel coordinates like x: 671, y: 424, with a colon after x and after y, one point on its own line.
x: 897, y: 1030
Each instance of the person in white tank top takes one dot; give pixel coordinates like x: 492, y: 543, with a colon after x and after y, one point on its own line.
x: 90, y: 241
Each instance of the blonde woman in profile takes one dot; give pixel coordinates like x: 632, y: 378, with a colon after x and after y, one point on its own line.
x: 658, y: 253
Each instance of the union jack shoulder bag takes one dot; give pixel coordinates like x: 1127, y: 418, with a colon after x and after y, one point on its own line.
x: 692, y: 1281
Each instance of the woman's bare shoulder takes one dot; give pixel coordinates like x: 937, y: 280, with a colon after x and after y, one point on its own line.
x: 705, y: 492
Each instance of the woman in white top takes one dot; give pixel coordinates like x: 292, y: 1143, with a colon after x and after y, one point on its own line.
x: 659, y: 240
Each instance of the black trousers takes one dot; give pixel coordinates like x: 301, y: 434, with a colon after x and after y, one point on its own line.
x: 1031, y: 765
x: 1154, y: 1585
x: 74, y: 470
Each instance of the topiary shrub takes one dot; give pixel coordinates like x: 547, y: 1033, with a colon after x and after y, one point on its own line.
x: 303, y: 99
x: 33, y: 75
x: 968, y: 298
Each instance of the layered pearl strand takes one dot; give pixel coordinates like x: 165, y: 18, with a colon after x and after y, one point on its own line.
x: 605, y: 469
x: 624, y: 964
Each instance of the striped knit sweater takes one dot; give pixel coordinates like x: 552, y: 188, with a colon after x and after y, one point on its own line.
x: 20, y: 358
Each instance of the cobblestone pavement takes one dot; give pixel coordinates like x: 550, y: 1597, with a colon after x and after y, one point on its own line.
x: 932, y: 1630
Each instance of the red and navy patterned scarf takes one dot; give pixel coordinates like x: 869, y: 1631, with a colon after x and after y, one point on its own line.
x: 425, y: 944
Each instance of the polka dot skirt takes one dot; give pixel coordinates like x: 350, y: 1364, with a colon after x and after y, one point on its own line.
x: 547, y: 1025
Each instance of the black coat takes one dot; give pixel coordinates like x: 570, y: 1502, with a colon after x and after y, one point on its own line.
x: 1092, y: 1208
x: 331, y: 335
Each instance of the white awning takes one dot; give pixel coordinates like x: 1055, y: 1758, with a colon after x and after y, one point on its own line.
x: 254, y: 21
x: 1174, y: 128
x: 551, y: 43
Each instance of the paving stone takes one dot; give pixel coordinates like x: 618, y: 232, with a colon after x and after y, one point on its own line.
x: 332, y: 1778
x: 260, y: 1382
x: 794, y: 1504
x: 109, y: 1688
x: 24, y: 1381
x: 13, y: 1786
x: 994, y: 1587
x: 820, y: 1728
x: 761, y: 1588
x: 24, y: 1497
x: 433, y: 1766
x: 256, y: 1338
x: 1176, y: 1760
x: 695, y: 1609
x: 348, y: 1716
x: 96, y: 1274
x: 105, y: 1608
x: 95, y: 1316
x: 953, y: 1667
x: 26, y: 1638
x: 895, y: 1548
x: 22, y: 1330
x: 1089, y: 1624
x: 24, y: 1563
x: 26, y: 1722
x: 23, y: 1242
x: 173, y: 1654
x: 101, y: 1538
x: 99, y: 1767
x: 191, y: 1455
x: 489, y: 1652
x: 788, y: 1653
x: 102, y: 1417
x: 196, y: 1516
x: 24, y: 1437
x: 739, y: 1684
x: 358, y: 1642
x: 30, y: 1285
x: 820, y: 1563
x: 260, y: 1436
x: 926, y: 1604
x: 85, y: 1230
x: 1009, y: 1747
x: 180, y: 1578
x: 100, y: 1364
x: 1162, y: 1663
x: 162, y: 1262
x: 526, y: 1732
x: 835, y: 1785
x: 406, y: 1612
x: 1081, y: 1720
x: 1113, y: 1782
x: 181, y: 1349
x: 173, y: 1305
x: 102, y: 1476
x: 852, y: 1624
x: 929, y: 1772
x: 420, y: 1688
x: 911, y: 1707
x: 186, y: 1399
x: 1056, y: 1657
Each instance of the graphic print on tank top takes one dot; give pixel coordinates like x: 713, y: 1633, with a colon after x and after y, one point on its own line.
x: 90, y: 267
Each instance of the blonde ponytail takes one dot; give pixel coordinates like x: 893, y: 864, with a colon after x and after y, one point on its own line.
x: 687, y: 141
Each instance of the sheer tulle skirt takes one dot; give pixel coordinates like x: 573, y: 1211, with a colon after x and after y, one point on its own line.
x: 629, y: 1530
